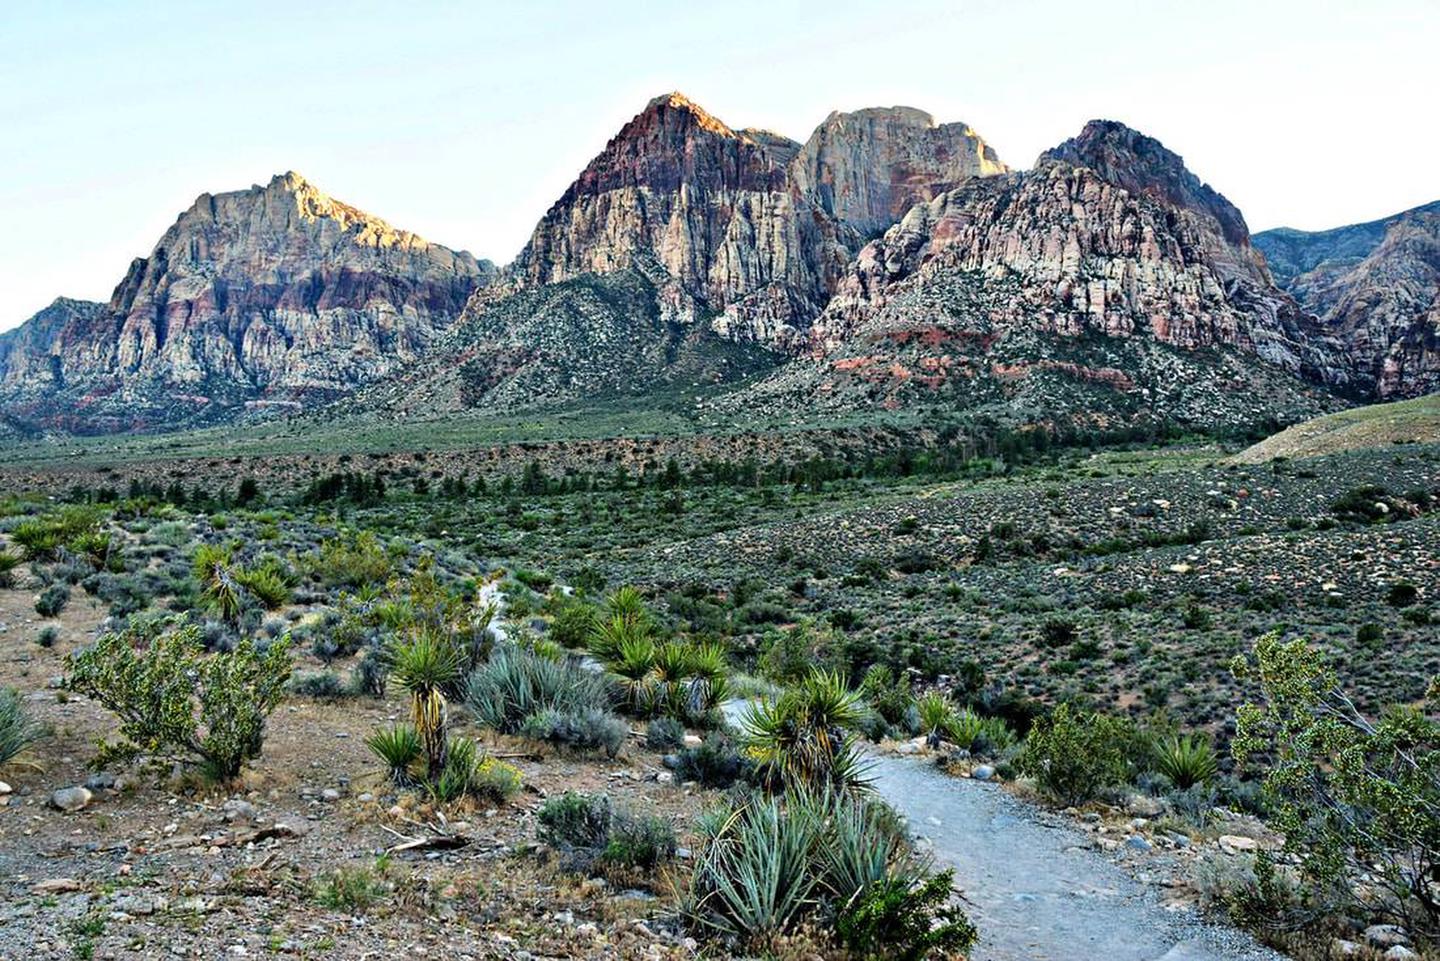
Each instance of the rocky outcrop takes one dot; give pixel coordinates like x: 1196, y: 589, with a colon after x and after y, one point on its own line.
x: 275, y: 295
x: 1375, y: 287
x: 754, y: 229
x: 1102, y: 266
x: 869, y: 167
x: 711, y: 206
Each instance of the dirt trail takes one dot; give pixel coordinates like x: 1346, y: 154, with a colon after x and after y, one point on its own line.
x: 1035, y: 888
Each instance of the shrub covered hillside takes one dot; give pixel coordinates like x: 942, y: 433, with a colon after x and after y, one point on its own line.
x: 657, y: 713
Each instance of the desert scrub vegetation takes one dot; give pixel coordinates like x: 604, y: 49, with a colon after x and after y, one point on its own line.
x: 18, y: 730
x: 771, y: 865
x: 1356, y: 797
x: 174, y: 700
x: 806, y: 737
x: 555, y: 700
x: 593, y: 833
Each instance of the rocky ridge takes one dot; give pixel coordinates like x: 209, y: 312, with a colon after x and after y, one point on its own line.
x: 1376, y: 288
x: 272, y: 296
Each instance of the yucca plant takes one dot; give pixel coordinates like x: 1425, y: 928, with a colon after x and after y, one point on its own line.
x: 423, y: 665
x: 9, y: 560
x: 753, y: 879
x: 398, y: 747
x: 219, y: 586
x: 17, y: 729
x: 964, y: 728
x: 803, y: 737
x: 1186, y: 761
x: 612, y: 633
x: 937, y: 713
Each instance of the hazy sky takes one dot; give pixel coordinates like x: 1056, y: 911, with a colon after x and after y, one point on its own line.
x: 464, y: 121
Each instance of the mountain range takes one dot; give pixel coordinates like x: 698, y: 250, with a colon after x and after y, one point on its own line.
x: 887, y: 262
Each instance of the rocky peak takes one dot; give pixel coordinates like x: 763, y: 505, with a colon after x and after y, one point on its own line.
x: 868, y: 167
x: 271, y: 294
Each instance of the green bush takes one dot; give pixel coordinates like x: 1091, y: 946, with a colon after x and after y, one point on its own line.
x: 573, y: 625
x: 664, y: 734
x: 1352, y: 795
x: 906, y: 919
x: 1402, y: 594
x: 590, y: 830
x: 804, y: 737
x: 17, y: 729
x: 1074, y: 756
x: 469, y: 772
x: 8, y: 562
x: 321, y: 685
x: 53, y: 599
x: 174, y: 699
x: 353, y: 561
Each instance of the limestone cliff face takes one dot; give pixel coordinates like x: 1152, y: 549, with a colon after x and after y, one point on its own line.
x: 1104, y: 265
x: 753, y: 229
x: 275, y: 294
x: 1376, y: 288
x: 1133, y: 245
x: 709, y: 205
x: 869, y: 167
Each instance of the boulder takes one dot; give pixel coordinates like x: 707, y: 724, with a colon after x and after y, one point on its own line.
x: 71, y: 799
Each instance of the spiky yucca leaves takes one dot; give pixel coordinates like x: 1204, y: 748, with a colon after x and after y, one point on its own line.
x: 424, y: 664
x: 399, y: 748
x: 9, y: 560
x: 517, y: 684
x: 803, y: 738
x: 937, y: 714
x: 17, y: 729
x: 1186, y: 761
x: 219, y: 586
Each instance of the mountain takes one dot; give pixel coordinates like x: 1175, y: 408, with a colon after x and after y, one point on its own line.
x: 1376, y: 287
x: 1107, y: 283
x: 753, y: 229
x: 867, y: 168
x: 273, y: 296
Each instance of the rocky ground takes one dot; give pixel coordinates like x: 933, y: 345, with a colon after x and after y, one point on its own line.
x: 152, y: 865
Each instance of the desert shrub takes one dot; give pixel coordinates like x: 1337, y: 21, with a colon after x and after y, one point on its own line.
x: 47, y: 637
x: 1186, y: 760
x: 321, y: 685
x: 17, y: 729
x: 888, y: 694
x: 9, y: 560
x: 469, y: 772
x: 790, y: 655
x: 590, y: 830
x: 1058, y: 631
x: 1402, y: 594
x: 664, y: 734
x: 1075, y: 755
x: 52, y: 600
x: 43, y: 538
x: 1363, y: 505
x: 399, y: 748
x: 587, y: 729
x: 371, y: 676
x: 353, y: 889
x: 572, y: 625
x: 174, y: 699
x: 715, y: 763
x: 906, y: 918
x: 1369, y: 634
x: 354, y: 561
x: 1352, y: 795
x: 517, y: 684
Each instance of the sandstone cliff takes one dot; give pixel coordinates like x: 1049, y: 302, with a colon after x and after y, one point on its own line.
x: 1104, y: 265
x: 1376, y: 288
x: 271, y: 295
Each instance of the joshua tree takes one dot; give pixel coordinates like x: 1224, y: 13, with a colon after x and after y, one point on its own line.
x: 424, y: 665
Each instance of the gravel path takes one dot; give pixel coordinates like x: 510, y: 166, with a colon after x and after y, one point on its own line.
x: 1036, y: 891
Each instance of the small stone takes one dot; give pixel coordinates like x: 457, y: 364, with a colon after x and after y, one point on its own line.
x: 1386, y: 935
x: 5, y: 788
x: 1136, y: 843
x: 983, y: 772
x: 56, y: 886
x: 100, y: 781
x: 366, y: 797
x: 237, y: 809
x: 665, y: 777
x: 330, y: 795
x: 1235, y: 843
x: 1142, y: 806
x: 71, y: 799
x: 693, y: 740
x: 1400, y: 953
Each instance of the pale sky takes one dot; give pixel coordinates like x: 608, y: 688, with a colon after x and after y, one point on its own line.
x: 463, y: 121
